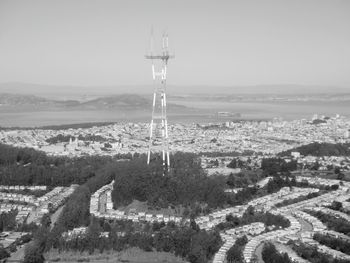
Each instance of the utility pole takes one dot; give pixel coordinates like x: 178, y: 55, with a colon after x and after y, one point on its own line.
x: 158, y: 138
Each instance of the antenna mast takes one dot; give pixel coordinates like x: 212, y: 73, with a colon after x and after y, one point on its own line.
x: 158, y: 138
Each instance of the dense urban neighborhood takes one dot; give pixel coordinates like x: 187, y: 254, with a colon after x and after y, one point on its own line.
x: 249, y: 191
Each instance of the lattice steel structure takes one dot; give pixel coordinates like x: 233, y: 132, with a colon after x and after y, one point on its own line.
x: 158, y: 138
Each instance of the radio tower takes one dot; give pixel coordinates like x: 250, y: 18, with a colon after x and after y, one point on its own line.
x: 158, y: 138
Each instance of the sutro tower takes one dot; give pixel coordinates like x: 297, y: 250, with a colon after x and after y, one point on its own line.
x: 158, y: 138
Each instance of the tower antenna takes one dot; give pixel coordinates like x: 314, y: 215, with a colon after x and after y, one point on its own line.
x: 158, y: 138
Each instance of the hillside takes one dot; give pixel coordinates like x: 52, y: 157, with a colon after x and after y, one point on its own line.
x: 127, y: 102
x: 321, y: 149
x: 39, y: 89
x: 18, y: 100
x: 124, y: 101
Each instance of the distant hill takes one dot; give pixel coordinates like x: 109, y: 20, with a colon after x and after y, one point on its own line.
x: 125, y: 102
x: 69, y: 90
x: 321, y: 149
x: 7, y: 99
x: 14, y: 99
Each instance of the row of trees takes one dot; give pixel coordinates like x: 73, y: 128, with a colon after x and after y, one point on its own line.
x: 251, y: 216
x: 188, y: 242
x: 311, y: 254
x: 332, y: 242
x: 298, y: 199
x: 231, y: 154
x: 337, y: 224
x: 338, y: 206
x: 274, y: 185
x: 65, y: 138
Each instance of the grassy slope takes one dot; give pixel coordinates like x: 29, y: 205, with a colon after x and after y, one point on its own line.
x: 132, y: 255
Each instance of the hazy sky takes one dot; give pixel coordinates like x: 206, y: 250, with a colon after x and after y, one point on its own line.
x: 222, y: 42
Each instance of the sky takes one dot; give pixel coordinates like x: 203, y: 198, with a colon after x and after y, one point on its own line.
x: 222, y: 42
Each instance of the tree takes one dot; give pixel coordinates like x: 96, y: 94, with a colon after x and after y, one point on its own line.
x: 197, y: 255
x: 33, y: 253
x: 3, y: 253
x: 235, y: 253
x: 93, y: 234
x: 233, y: 164
x: 45, y: 220
x: 336, y: 205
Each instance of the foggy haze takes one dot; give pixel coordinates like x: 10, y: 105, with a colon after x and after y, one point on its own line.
x: 216, y: 43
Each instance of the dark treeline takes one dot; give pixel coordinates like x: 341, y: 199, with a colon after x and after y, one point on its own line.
x: 338, y: 206
x: 298, y: 199
x: 271, y: 255
x: 187, y: 242
x: 321, y: 149
x: 244, y: 178
x: 311, y: 254
x: 251, y: 216
x: 337, y: 224
x: 85, y: 125
x: 287, y: 180
x: 274, y: 185
x: 235, y: 253
x: 228, y: 154
x: 236, y: 163
x: 272, y: 166
x: 66, y: 138
x: 332, y: 242
x: 26, y: 166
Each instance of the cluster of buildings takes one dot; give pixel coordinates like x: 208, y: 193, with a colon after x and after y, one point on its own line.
x: 29, y: 207
x: 294, y: 213
x: 122, y: 138
x: 230, y: 237
x: 101, y: 206
x: 229, y: 241
x: 319, y: 227
x: 51, y: 201
x: 252, y: 245
x: 23, y: 187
